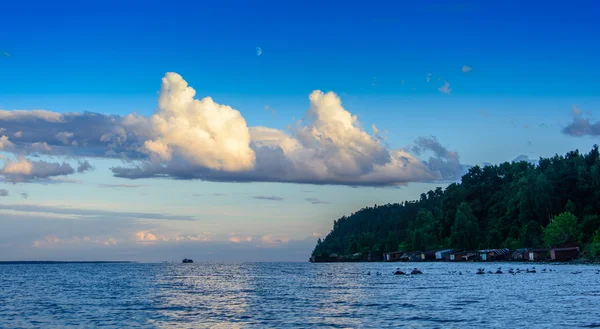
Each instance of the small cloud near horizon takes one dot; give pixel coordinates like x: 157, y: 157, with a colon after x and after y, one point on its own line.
x: 121, y: 185
x: 466, y: 69
x: 268, y: 197
x: 316, y: 201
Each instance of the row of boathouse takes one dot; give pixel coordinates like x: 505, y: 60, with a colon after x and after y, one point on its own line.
x: 560, y: 253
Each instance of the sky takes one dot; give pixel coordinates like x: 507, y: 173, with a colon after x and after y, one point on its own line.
x: 238, y: 131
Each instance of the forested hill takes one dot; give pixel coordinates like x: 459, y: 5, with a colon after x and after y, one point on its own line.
x: 508, y: 205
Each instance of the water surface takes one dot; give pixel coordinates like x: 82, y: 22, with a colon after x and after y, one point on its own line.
x: 296, y: 295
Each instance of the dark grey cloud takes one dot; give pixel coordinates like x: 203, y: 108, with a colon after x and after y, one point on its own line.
x: 267, y: 197
x: 23, y: 170
x: 316, y: 201
x: 84, y: 166
x: 581, y: 125
x: 90, y: 213
x: 3, y: 192
x: 83, y: 134
x: 444, y: 161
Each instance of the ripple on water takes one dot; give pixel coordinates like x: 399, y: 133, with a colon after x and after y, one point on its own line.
x: 292, y: 295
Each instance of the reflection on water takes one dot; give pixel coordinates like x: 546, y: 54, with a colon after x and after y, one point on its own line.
x: 296, y: 295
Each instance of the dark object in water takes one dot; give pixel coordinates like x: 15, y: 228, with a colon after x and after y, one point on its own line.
x: 499, y: 271
x: 186, y: 260
x: 398, y: 272
x: 511, y: 271
x: 531, y: 271
x: 415, y: 271
x: 480, y: 271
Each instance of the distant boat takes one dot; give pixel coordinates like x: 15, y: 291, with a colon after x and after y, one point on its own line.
x: 186, y: 260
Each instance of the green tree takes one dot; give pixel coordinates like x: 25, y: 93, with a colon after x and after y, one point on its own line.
x: 465, y: 231
x: 531, y: 235
x: 563, y: 228
x: 595, y: 250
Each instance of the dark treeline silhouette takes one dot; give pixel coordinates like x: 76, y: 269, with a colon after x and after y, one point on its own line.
x: 511, y: 205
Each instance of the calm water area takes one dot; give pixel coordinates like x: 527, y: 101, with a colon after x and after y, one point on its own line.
x: 297, y: 295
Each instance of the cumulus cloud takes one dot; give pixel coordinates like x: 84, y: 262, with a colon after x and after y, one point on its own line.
x: 147, y: 237
x: 83, y: 134
x: 24, y: 170
x: 6, y: 144
x: 84, y: 166
x: 275, y: 239
x: 445, y: 88
x: 466, y: 69
x: 579, y: 126
x: 201, y: 132
x: 3, y: 192
x: 268, y: 197
x: 144, y: 236
x: 188, y: 138
x: 40, y: 147
x: 236, y: 238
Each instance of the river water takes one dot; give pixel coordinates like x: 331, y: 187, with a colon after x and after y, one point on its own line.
x: 297, y: 295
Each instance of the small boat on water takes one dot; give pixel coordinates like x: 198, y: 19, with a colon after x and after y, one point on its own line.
x: 187, y: 260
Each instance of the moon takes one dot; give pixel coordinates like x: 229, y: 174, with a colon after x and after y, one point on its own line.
x: 258, y: 51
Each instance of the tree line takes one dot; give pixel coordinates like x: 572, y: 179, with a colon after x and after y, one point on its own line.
x: 510, y: 205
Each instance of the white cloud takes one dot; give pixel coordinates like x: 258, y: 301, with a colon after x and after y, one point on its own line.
x: 258, y: 51
x: 428, y: 77
x: 5, y: 144
x: 466, y: 69
x: 201, y: 132
x: 145, y: 236
x: 275, y: 239
x: 445, y: 88
x: 236, y: 238
x: 189, y: 138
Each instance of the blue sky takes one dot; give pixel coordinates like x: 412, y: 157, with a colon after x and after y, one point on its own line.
x: 529, y: 65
